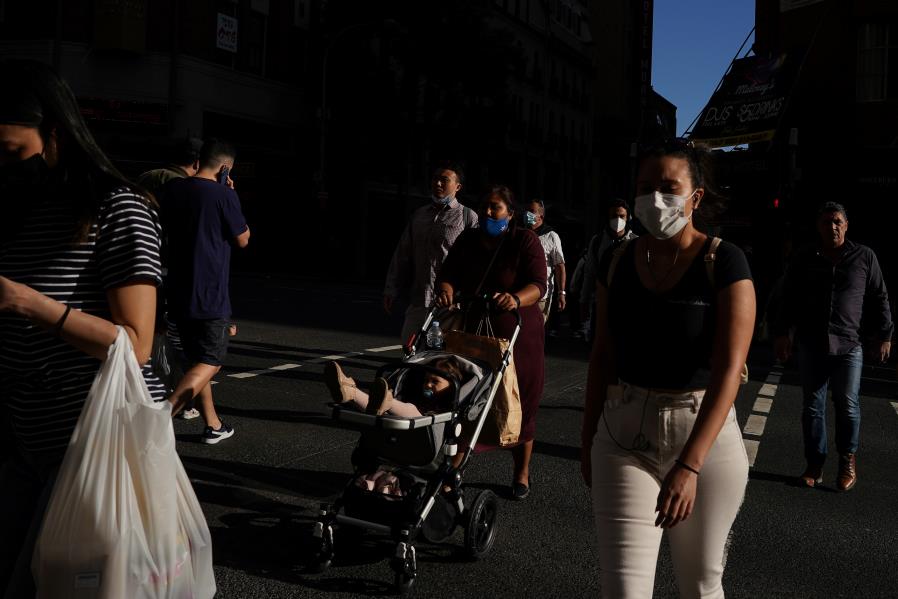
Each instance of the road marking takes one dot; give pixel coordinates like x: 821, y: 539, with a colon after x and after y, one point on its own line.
x: 768, y: 390
x: 336, y: 357
x: 247, y: 375
x: 895, y: 405
x: 377, y: 350
x: 751, y: 449
x: 755, y: 425
x: 253, y: 373
x: 774, y: 379
x: 763, y: 405
x: 285, y: 367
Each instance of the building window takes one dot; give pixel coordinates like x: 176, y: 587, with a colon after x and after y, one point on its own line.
x: 254, y: 39
x: 877, y: 62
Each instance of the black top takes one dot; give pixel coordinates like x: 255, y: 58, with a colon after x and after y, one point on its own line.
x: 827, y: 302
x: 663, y: 340
x: 202, y: 218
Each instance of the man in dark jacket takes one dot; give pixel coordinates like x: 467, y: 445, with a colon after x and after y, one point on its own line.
x: 829, y: 288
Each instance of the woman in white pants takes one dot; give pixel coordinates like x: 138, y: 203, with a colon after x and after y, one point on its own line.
x: 661, y: 447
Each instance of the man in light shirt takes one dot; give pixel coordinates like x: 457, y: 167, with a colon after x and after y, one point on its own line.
x: 426, y: 240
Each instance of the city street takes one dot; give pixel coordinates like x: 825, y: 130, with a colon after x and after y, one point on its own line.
x: 261, y: 489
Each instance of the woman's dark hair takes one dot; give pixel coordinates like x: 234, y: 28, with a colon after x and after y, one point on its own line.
x: 450, y: 366
x: 85, y: 170
x: 507, y: 196
x: 699, y: 159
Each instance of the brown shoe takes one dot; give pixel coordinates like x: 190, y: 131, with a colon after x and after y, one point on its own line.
x: 380, y: 399
x: 847, y: 472
x: 342, y: 387
x: 812, y: 476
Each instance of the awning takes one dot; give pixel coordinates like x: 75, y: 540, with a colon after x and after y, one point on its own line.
x: 749, y: 104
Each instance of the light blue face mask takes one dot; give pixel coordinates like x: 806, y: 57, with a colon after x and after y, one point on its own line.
x: 442, y: 201
x: 529, y: 219
x: 494, y: 226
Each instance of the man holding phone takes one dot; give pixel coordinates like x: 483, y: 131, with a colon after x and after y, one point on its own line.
x: 203, y: 219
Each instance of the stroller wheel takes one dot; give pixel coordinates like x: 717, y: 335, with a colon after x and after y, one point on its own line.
x: 480, y: 534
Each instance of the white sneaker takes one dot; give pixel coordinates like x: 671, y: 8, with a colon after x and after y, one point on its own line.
x: 212, y: 436
x: 188, y: 414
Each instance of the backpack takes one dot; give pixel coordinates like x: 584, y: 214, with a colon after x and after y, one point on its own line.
x: 710, y: 257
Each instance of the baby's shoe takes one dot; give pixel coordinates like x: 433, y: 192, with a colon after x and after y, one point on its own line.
x: 381, y: 397
x: 342, y: 387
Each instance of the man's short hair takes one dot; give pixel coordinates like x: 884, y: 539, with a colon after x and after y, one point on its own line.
x: 215, y: 151
x: 828, y: 207
x: 619, y: 203
x: 186, y: 151
x: 451, y: 165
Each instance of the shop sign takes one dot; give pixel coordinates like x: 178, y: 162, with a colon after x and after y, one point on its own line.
x: 226, y: 33
x: 749, y: 103
x: 122, y: 111
x: 787, y: 5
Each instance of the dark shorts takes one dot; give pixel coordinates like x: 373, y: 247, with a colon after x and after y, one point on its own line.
x: 203, y: 341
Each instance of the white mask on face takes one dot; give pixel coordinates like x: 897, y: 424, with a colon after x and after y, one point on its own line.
x: 617, y: 224
x: 662, y: 214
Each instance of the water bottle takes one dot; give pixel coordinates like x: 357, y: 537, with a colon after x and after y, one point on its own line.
x: 434, y: 336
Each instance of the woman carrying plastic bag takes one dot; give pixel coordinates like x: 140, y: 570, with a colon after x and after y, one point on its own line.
x: 123, y: 520
x: 79, y: 255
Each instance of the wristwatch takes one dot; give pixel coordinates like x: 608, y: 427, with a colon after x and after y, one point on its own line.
x: 563, y: 292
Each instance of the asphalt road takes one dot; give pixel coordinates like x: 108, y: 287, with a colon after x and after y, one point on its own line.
x: 261, y: 489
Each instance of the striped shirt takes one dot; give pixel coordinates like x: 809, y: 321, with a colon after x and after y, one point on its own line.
x: 422, y: 248
x: 43, y: 380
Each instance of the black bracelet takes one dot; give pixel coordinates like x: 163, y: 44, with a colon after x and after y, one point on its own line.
x: 517, y: 300
x: 686, y: 466
x: 57, y: 328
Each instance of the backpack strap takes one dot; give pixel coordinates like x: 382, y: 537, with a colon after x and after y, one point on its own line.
x: 709, y: 260
x: 615, y: 258
x: 709, y: 268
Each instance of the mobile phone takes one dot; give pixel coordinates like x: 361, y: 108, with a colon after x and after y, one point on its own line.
x: 223, y: 175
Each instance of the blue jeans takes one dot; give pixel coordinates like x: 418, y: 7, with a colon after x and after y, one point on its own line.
x: 842, y: 375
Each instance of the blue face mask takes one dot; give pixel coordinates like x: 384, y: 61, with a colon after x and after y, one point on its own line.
x: 442, y: 201
x: 529, y: 219
x: 494, y: 226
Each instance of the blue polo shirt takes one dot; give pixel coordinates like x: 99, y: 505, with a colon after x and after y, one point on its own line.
x: 201, y: 219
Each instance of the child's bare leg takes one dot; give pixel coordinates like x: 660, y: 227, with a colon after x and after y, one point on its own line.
x: 404, y: 409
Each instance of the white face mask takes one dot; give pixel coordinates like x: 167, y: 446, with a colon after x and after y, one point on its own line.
x: 662, y: 214
x: 617, y: 224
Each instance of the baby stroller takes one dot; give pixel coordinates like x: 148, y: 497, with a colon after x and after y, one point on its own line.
x: 421, y: 452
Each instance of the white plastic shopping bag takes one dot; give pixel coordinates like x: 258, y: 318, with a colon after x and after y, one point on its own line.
x: 123, y: 521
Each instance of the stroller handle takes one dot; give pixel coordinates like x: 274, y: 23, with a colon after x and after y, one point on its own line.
x: 460, y: 302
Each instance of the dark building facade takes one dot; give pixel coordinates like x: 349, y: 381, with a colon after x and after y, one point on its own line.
x: 838, y: 139
x: 339, y: 108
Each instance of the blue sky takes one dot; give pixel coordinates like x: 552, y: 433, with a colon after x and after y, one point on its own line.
x: 694, y: 43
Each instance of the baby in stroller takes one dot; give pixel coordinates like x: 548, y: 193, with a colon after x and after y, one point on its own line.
x: 435, y: 396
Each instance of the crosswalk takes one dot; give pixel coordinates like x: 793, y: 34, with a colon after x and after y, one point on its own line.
x: 248, y: 374
x: 757, y: 420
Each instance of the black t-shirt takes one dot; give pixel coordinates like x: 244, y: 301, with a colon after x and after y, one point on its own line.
x: 201, y: 219
x: 663, y: 340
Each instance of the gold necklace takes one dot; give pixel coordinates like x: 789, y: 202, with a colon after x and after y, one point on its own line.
x: 648, y: 264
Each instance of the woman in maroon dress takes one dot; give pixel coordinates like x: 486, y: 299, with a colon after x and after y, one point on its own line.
x: 516, y: 279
